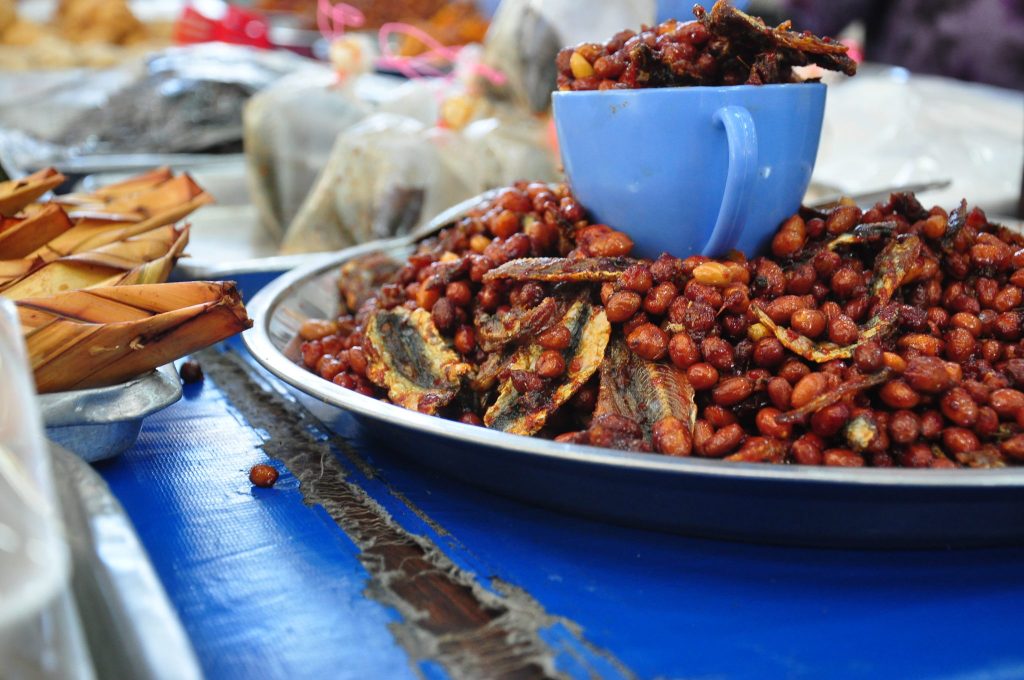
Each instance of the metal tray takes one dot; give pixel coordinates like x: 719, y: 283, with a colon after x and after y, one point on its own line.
x: 129, y: 624
x: 762, y: 503
x: 102, y: 422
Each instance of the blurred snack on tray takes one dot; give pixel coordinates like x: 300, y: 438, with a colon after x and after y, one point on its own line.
x: 456, y: 23
x: 91, y: 33
x: 176, y: 100
x: 108, y: 21
x: 375, y: 13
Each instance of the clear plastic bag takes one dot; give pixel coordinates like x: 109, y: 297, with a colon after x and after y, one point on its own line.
x: 291, y: 127
x: 34, y: 559
x: 391, y: 172
x: 288, y: 133
x: 887, y: 127
x: 525, y: 37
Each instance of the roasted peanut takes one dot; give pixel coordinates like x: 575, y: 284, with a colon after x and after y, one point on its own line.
x: 702, y: 376
x: 648, y: 341
x: 768, y: 425
x: 724, y: 441
x: 927, y: 374
x: 780, y: 393
x: 718, y: 353
x: 1008, y: 403
x: 899, y: 395
x: 808, y: 449
x: 719, y: 416
x: 842, y: 458
x: 622, y: 305
x: 732, y: 391
x: 810, y: 386
x: 671, y: 437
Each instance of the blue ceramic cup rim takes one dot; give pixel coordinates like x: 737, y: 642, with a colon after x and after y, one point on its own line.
x: 636, y: 91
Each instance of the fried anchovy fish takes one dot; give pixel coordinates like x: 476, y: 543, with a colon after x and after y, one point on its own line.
x: 561, y: 269
x: 863, y: 233
x: 643, y: 391
x: 798, y: 48
x: 521, y: 413
x: 893, y: 264
x: 409, y: 357
x: 760, y: 450
x: 891, y: 267
x: 957, y: 221
x: 360, y: 278
x: 824, y: 352
x: 834, y: 396
x: 496, y: 331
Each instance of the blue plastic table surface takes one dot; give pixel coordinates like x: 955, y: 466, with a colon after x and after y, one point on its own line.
x: 411, y: 574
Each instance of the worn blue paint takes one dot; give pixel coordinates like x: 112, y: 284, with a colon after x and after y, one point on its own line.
x: 266, y: 586
x: 673, y: 606
x: 270, y: 588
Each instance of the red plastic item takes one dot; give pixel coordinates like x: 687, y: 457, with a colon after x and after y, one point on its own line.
x: 236, y: 25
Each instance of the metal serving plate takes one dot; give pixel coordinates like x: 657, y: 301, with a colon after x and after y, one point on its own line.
x: 102, y: 422
x: 762, y: 503
x: 129, y: 624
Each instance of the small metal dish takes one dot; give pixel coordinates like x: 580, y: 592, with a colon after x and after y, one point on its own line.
x: 101, y: 423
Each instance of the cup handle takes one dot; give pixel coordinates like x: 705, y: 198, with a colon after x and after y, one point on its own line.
x: 739, y: 179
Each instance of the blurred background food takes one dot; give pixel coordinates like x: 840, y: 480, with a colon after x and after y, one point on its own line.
x: 318, y: 125
x: 92, y: 33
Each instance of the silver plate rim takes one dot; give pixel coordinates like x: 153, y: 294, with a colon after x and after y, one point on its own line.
x: 261, y: 346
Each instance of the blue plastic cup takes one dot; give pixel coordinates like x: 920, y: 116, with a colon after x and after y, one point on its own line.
x: 691, y: 170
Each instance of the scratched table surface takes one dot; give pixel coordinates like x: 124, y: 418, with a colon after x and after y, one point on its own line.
x: 360, y: 563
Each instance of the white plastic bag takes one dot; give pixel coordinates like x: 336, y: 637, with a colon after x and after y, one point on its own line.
x: 887, y: 127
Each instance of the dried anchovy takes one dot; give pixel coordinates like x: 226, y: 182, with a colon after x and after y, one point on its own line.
x: 957, y: 221
x: 824, y: 352
x: 834, y: 396
x: 360, y: 278
x: 760, y: 450
x: 643, y: 391
x: 864, y: 233
x: 526, y: 413
x: 750, y: 34
x: 409, y: 357
x: 561, y: 269
x: 893, y: 264
x: 445, y: 273
x: 486, y: 374
x: 496, y: 331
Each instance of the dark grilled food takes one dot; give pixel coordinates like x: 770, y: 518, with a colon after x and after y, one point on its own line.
x: 887, y: 337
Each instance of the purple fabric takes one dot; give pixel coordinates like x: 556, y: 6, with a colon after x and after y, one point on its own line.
x: 978, y: 40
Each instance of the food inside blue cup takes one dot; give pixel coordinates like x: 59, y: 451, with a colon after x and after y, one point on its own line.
x: 698, y: 137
